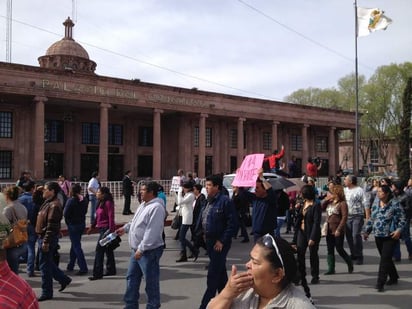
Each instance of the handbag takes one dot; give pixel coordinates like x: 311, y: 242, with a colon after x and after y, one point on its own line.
x: 176, y: 222
x: 115, y: 243
x: 324, y: 229
x: 18, y: 234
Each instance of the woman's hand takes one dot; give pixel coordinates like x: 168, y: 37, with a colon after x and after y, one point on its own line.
x: 239, y: 282
x: 311, y: 242
x: 396, y: 234
x: 337, y: 233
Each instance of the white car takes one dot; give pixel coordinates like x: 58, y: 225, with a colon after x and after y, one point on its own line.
x: 228, y: 179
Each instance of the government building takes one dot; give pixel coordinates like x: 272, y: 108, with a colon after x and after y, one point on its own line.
x: 62, y: 118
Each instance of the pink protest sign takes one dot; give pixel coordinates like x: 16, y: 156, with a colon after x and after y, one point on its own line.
x: 246, y: 175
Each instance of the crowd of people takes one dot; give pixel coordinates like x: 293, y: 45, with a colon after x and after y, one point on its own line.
x: 214, y: 219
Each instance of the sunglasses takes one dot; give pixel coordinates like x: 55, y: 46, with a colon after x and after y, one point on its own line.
x: 270, y: 242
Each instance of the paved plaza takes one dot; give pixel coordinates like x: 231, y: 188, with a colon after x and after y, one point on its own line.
x: 182, y: 284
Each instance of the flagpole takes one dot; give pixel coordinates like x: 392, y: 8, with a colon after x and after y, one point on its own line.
x: 356, y: 150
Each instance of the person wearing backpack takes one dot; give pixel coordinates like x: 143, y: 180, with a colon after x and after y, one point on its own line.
x: 32, y: 209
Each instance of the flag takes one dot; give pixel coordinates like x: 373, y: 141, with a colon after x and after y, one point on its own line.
x: 370, y: 20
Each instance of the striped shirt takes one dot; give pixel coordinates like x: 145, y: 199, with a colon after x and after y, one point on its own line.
x: 14, y: 291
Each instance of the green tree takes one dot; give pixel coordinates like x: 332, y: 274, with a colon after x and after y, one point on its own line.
x: 404, y: 144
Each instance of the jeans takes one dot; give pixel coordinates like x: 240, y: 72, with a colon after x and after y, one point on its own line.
x: 216, y: 273
x: 280, y: 220
x: 49, y: 269
x: 406, y: 237
x: 183, y: 241
x: 13, y: 255
x: 93, y: 205
x: 353, y: 236
x: 99, y: 258
x: 31, y: 248
x: 148, y: 267
x: 76, y: 251
x: 385, y: 247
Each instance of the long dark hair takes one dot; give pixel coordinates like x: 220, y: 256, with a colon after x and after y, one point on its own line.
x: 107, y: 195
x: 285, y: 250
x: 53, y: 186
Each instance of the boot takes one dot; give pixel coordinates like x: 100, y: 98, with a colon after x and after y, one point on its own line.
x: 331, y: 264
x: 183, y: 257
x: 349, y: 262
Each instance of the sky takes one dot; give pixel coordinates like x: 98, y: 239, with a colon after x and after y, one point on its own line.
x: 254, y: 48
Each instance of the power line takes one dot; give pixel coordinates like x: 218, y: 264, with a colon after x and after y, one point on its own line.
x: 153, y: 64
x: 305, y: 37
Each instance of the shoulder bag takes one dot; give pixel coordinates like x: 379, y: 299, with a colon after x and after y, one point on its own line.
x: 18, y: 233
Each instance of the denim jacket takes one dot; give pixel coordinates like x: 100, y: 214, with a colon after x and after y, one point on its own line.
x: 221, y: 221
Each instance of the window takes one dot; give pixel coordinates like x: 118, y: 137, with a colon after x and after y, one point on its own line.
x: 267, y: 140
x: 90, y: 133
x: 196, y: 137
x: 208, y: 137
x: 296, y: 142
x: 115, y: 134
x: 5, y: 164
x: 53, y: 165
x: 146, y: 136
x: 321, y: 143
x: 6, y: 125
x: 233, y: 138
x: 54, y: 131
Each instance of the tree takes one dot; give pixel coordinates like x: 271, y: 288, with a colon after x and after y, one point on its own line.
x: 404, y: 144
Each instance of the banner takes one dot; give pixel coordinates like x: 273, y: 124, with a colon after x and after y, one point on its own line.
x: 247, y: 174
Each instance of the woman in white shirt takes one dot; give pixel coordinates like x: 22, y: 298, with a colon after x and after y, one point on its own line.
x: 185, y: 204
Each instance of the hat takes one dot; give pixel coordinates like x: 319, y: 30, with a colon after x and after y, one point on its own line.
x: 4, y: 229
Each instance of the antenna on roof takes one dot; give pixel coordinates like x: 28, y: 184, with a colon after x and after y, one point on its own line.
x: 74, y: 11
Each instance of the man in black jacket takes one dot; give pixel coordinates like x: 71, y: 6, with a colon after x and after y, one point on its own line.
x: 127, y: 192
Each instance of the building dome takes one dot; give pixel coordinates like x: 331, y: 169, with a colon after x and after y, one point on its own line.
x: 67, y: 54
x: 68, y: 47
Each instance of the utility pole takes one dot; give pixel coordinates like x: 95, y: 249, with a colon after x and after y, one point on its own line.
x: 8, y: 30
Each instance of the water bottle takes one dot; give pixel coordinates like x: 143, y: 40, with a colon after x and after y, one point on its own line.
x: 104, y: 241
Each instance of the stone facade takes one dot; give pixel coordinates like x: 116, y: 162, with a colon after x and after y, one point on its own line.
x: 55, y: 120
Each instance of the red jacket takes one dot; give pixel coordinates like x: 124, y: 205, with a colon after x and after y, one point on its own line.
x: 274, y: 158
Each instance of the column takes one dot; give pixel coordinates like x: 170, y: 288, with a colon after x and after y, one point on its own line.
x: 275, y: 135
x: 104, y: 141
x: 332, y: 150
x: 305, y: 146
x: 157, y: 138
x: 38, y: 155
x: 240, y: 145
x: 202, y: 145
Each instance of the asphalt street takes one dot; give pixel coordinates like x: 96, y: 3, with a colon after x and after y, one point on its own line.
x: 183, y: 284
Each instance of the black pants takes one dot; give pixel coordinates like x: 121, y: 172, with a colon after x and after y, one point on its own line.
x: 333, y: 242
x: 385, y: 246
x: 127, y: 202
x: 302, y: 245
